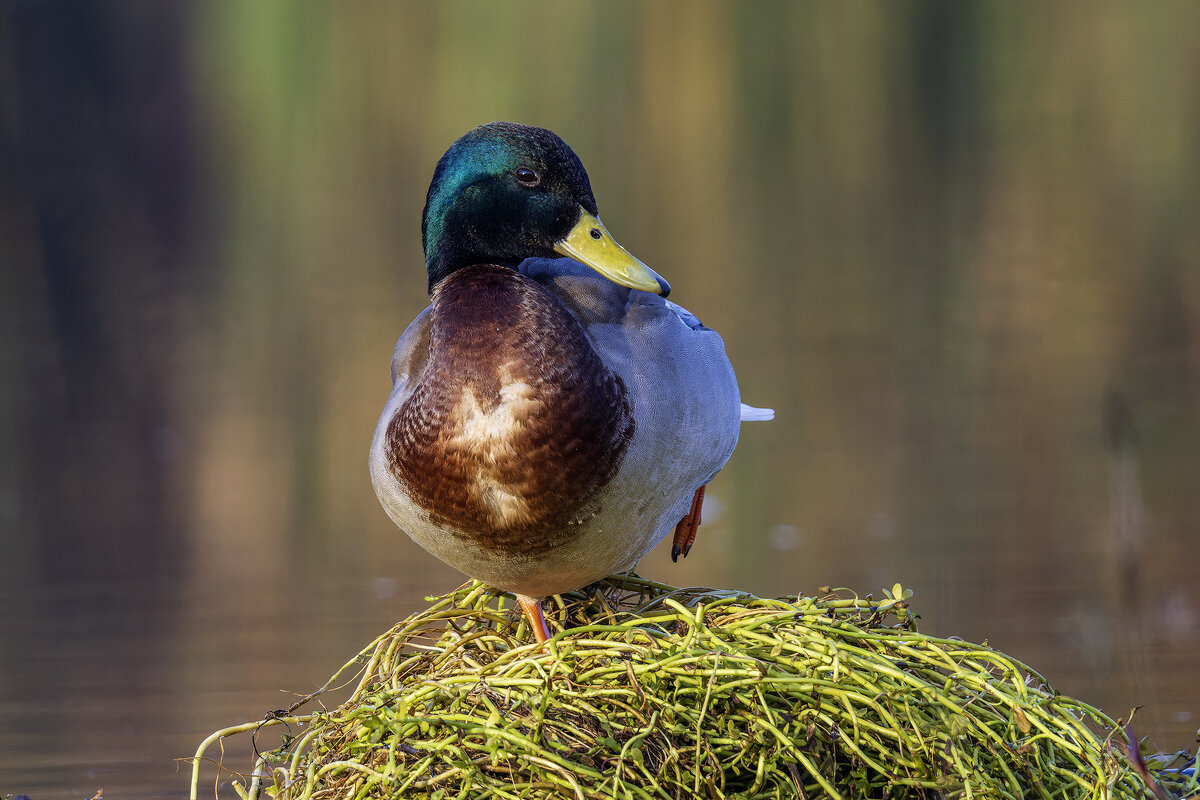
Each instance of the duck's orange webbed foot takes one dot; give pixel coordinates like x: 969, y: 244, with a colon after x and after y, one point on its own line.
x: 685, y: 531
x: 532, y: 606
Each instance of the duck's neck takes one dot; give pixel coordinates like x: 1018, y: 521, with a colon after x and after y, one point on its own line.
x: 443, y: 263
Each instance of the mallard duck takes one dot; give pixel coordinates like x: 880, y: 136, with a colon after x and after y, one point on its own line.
x: 552, y: 416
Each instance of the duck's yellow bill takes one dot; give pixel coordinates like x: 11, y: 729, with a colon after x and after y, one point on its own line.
x: 589, y: 242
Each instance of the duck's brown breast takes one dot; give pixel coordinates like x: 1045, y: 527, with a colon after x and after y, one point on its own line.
x: 516, y: 424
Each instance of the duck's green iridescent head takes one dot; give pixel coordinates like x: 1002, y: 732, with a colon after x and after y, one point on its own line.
x: 505, y: 192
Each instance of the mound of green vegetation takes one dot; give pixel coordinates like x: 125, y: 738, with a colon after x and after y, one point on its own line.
x: 650, y: 691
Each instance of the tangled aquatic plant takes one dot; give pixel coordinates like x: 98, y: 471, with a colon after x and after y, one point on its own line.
x: 650, y: 691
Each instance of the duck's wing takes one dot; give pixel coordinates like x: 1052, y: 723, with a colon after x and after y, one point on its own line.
x: 409, y: 361
x: 686, y: 407
x: 687, y: 317
x: 412, y: 351
x: 685, y: 394
x: 597, y: 301
x: 749, y: 413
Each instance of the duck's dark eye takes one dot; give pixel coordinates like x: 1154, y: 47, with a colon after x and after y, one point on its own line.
x: 527, y: 177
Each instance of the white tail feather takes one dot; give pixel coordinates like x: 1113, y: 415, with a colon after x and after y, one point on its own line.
x: 752, y: 414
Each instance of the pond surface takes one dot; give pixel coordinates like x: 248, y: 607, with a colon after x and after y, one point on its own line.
x: 108, y: 679
x: 955, y: 251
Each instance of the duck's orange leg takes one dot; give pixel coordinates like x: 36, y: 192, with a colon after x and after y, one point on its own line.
x: 685, y: 531
x: 532, y: 606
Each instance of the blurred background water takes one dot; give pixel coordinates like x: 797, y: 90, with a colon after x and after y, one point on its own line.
x: 955, y: 246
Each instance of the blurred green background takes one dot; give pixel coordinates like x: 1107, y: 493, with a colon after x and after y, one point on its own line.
x: 955, y: 246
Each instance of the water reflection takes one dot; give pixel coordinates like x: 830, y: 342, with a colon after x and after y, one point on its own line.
x: 952, y: 246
